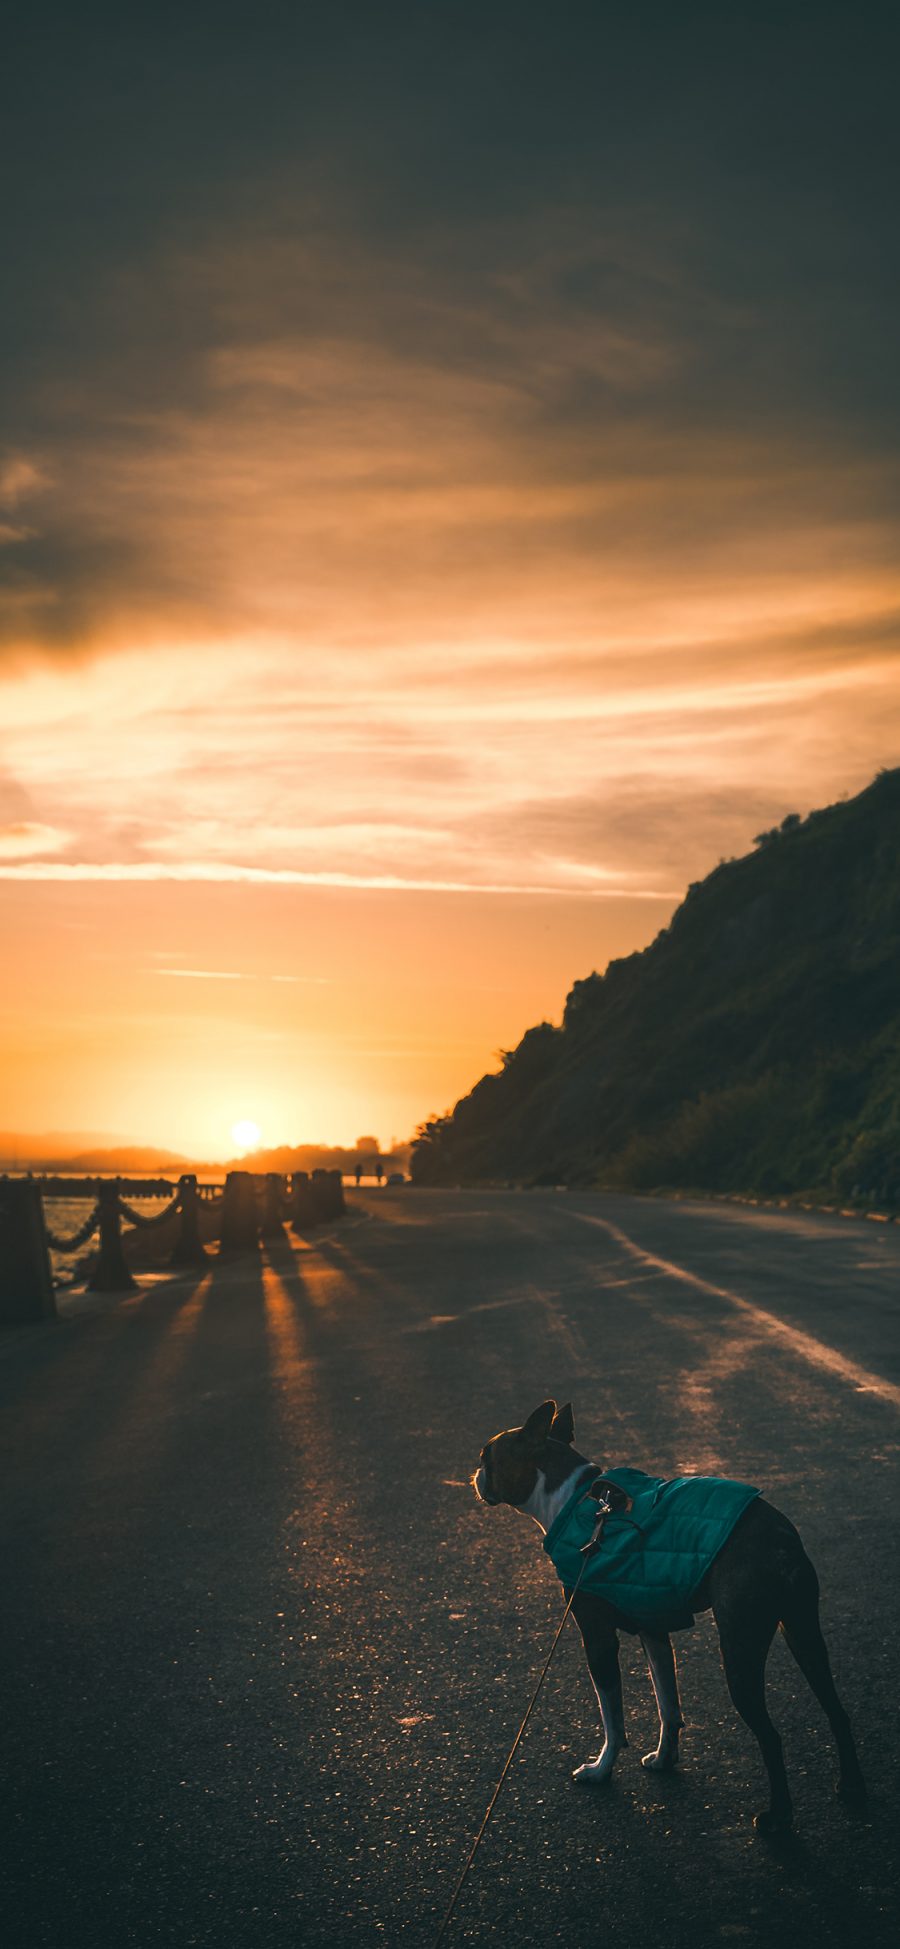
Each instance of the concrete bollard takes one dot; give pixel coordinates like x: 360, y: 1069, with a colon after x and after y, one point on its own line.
x: 111, y: 1273
x: 26, y: 1281
x: 302, y: 1203
x: 273, y: 1206
x: 240, y: 1219
x: 189, y: 1248
x: 328, y: 1195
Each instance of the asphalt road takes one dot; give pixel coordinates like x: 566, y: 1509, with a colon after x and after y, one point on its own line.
x: 265, y: 1653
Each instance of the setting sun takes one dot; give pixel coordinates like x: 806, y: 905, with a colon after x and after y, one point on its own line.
x: 246, y: 1134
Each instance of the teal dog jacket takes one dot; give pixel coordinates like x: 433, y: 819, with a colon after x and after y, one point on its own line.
x: 651, y: 1559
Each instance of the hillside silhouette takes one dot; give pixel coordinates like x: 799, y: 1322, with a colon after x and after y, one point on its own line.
x: 755, y: 1045
x: 326, y: 1157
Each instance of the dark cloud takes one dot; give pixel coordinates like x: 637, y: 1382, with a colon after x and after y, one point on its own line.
x: 648, y: 251
x: 652, y: 832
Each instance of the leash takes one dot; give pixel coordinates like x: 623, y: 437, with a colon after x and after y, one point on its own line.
x: 604, y: 1510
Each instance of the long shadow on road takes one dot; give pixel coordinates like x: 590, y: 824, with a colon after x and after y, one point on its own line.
x: 151, y: 1710
x: 265, y: 1654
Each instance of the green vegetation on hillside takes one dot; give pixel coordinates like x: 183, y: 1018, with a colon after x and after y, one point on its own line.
x: 755, y: 1045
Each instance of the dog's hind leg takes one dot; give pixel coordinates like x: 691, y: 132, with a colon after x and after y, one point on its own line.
x: 745, y: 1635
x: 601, y: 1646
x: 661, y: 1660
x: 803, y: 1635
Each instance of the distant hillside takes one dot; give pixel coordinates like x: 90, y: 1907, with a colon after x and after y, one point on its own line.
x: 754, y: 1045
x: 130, y: 1160
x: 32, y: 1150
x: 55, y: 1153
x: 324, y: 1157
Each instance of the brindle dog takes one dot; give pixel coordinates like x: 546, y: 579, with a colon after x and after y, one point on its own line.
x: 762, y: 1577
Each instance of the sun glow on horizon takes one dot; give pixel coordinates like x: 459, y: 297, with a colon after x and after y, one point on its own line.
x: 246, y: 1134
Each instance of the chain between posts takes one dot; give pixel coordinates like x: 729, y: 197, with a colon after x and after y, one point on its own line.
x: 142, y: 1220
x: 146, y: 1220
x: 78, y: 1238
x: 211, y: 1200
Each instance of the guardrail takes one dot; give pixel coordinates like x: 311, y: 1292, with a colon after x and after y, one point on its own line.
x: 252, y: 1208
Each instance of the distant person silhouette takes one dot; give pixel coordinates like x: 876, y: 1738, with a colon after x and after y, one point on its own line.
x: 379, y: 1170
x: 358, y: 1173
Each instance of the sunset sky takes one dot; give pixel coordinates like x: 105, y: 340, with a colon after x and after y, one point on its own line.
x: 448, y: 495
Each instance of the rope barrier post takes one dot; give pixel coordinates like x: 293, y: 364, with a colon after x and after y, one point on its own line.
x: 327, y: 1195
x: 240, y: 1224
x: 272, y: 1225
x: 26, y: 1281
x: 302, y: 1203
x: 189, y: 1249
x: 318, y: 1185
x: 111, y: 1273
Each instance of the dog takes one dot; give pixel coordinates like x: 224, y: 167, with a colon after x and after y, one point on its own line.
x: 758, y: 1576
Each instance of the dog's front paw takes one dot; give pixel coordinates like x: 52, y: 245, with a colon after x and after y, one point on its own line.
x: 596, y: 1772
x: 665, y: 1758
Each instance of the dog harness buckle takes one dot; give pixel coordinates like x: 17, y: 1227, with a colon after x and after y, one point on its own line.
x: 604, y: 1509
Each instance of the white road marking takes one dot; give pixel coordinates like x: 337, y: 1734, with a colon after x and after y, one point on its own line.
x: 816, y: 1352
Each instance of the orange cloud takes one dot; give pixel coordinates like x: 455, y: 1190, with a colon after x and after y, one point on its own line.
x: 469, y: 618
x: 27, y: 839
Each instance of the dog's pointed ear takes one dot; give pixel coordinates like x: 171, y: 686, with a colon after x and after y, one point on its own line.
x: 562, y: 1427
x: 538, y: 1425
